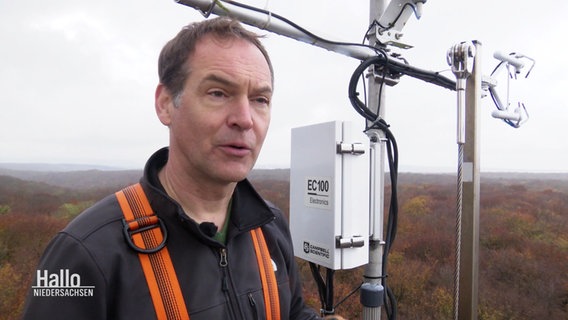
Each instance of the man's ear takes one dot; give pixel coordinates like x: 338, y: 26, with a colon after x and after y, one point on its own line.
x: 164, y: 104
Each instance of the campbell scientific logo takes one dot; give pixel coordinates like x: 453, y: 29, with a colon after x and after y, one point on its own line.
x: 316, y: 250
x: 60, y: 284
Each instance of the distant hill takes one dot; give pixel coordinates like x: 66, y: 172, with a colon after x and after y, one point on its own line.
x: 49, y: 167
x: 79, y: 180
x: 10, y: 185
x: 270, y: 174
x: 80, y: 177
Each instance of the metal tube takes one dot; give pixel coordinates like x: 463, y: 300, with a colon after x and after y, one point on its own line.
x: 265, y: 21
x: 373, y: 270
x: 460, y: 88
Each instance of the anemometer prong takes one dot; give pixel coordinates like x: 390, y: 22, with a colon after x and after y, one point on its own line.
x: 513, y: 63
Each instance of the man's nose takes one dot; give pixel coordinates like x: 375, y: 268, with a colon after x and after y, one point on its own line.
x: 240, y: 114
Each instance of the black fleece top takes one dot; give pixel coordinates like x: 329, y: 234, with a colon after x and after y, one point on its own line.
x: 88, y: 271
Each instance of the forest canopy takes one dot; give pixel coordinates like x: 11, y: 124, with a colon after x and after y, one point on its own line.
x: 523, y: 239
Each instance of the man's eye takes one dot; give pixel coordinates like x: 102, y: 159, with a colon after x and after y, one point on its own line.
x: 262, y: 100
x: 217, y: 93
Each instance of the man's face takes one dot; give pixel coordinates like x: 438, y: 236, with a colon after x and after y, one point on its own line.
x: 219, y: 123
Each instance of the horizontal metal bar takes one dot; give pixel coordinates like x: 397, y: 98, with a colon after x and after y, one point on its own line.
x: 264, y: 20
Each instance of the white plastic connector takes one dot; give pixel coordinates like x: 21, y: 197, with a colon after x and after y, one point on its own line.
x: 510, y: 59
x: 506, y: 115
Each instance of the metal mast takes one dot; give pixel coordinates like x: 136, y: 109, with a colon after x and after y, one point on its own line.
x: 372, y: 291
x: 469, y: 260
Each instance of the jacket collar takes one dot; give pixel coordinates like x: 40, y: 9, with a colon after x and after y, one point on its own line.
x: 248, y: 209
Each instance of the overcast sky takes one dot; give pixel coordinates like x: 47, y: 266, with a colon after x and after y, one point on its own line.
x: 77, y: 80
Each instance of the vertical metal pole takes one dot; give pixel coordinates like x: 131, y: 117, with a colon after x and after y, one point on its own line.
x: 469, y: 258
x: 372, y: 292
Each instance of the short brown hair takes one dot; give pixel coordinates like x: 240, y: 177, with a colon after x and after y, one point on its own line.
x: 172, y: 63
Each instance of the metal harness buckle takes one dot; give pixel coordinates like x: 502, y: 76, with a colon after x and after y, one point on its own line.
x: 144, y: 224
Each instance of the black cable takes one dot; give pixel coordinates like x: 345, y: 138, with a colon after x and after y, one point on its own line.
x: 392, y: 223
x: 390, y: 300
x: 319, y: 283
x: 348, y: 295
x: 428, y: 76
x: 325, y: 288
x: 329, y: 308
x: 298, y: 27
x: 392, y: 155
x: 360, y: 106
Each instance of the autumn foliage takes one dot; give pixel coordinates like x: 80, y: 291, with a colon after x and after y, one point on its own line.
x: 523, y: 262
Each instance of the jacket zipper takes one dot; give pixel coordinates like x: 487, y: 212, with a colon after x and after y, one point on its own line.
x: 253, y: 305
x: 226, y: 285
x: 223, y: 257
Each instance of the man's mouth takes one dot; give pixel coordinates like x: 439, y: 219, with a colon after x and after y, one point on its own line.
x: 237, y: 149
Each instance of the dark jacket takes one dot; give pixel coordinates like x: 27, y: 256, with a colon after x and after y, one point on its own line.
x: 92, y: 252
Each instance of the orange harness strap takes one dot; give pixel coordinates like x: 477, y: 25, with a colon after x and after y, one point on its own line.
x: 267, y: 276
x: 146, y: 234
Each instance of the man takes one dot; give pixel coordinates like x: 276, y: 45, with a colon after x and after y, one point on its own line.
x: 214, y: 95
